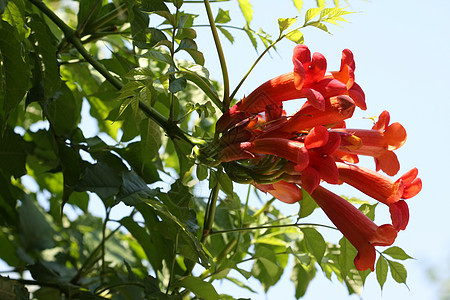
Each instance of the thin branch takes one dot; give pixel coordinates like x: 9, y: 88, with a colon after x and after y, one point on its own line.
x: 270, y: 227
x: 223, y: 65
x: 211, y: 209
x: 253, y: 66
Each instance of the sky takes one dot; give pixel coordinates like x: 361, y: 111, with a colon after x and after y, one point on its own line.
x: 401, y: 50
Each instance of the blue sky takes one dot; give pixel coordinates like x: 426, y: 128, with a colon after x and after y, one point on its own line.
x: 402, y: 53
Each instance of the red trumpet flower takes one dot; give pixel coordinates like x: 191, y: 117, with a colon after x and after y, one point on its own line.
x: 361, y: 232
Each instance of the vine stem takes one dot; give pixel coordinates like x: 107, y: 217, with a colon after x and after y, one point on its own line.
x: 223, y: 65
x: 171, y: 128
x: 211, y: 210
x: 270, y: 226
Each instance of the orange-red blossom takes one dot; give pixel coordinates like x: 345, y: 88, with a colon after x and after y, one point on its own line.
x: 313, y: 145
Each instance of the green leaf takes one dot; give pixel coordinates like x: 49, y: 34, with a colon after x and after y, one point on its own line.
x: 14, y: 14
x: 223, y: 16
x: 226, y: 33
x: 319, y: 25
x: 199, y: 287
x: 150, y: 138
x: 226, y: 184
x: 190, y: 247
x: 183, y: 150
x: 298, y: 4
x: 307, y: 205
x: 246, y: 9
x: 37, y: 233
x: 70, y: 162
x: 381, y: 270
x: 320, y: 3
x: 312, y: 13
x: 186, y: 33
x: 141, y: 160
x: 251, y: 37
x: 202, y: 172
x: 266, y: 268
x: 13, y: 153
x: 133, y: 189
x: 158, y: 56
x: 192, y: 74
x: 296, y: 36
x: 368, y: 210
x: 152, y: 250
x: 398, y: 271
x: 315, y: 242
x: 101, y: 179
x: 347, y: 256
x: 177, y: 84
x: 44, y: 43
x: 63, y: 112
x: 8, y: 250
x: 301, y: 279
x: 285, y: 23
x: 16, y: 69
x: 397, y: 253
x: 152, y: 5
x: 196, y: 55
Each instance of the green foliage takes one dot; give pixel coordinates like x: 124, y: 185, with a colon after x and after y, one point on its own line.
x: 134, y: 147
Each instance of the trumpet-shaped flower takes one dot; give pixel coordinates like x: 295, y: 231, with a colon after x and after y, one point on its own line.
x: 337, y: 109
x: 361, y: 232
x: 308, y: 80
x: 383, y: 189
x: 378, y: 143
x: 291, y: 150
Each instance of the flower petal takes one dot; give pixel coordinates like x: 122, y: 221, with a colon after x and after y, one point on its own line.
x: 399, y: 214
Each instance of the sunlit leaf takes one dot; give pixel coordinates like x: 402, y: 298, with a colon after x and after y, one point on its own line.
x: 314, y: 242
x: 226, y: 33
x: 312, y: 13
x: 296, y: 36
x: 347, y: 255
x: 14, y: 15
x: 307, y: 205
x: 398, y: 271
x: 381, y: 270
x: 246, y: 9
x: 301, y: 279
x: 223, y: 16
x: 200, y: 288
x: 397, y: 253
x: 319, y: 25
x: 298, y: 4
x: 285, y: 23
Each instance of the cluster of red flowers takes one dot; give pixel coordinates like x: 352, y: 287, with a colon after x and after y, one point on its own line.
x: 282, y: 155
